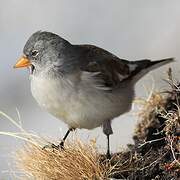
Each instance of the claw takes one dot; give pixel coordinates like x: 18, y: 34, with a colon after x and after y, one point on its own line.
x: 108, y: 156
x: 53, y: 146
x: 61, y: 145
x: 50, y: 146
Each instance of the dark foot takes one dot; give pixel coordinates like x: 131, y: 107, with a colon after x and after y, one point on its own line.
x: 108, y: 155
x: 53, y: 146
x: 61, y: 145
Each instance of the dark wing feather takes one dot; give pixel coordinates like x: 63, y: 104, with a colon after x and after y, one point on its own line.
x: 108, y: 68
x: 105, y: 70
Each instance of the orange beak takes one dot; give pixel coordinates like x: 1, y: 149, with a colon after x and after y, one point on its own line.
x: 22, y: 62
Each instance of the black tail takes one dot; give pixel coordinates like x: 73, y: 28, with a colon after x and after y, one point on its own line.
x: 142, y: 67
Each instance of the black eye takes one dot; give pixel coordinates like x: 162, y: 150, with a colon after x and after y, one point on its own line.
x: 34, y: 53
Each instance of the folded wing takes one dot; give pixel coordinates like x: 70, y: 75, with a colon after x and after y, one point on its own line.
x: 109, y: 71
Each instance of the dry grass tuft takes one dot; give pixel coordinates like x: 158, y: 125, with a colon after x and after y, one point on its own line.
x: 77, y: 161
x: 148, y: 112
x: 157, y: 135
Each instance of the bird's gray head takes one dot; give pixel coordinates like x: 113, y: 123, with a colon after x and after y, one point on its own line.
x: 42, y: 50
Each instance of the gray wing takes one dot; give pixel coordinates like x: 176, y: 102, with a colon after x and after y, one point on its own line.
x: 107, y: 69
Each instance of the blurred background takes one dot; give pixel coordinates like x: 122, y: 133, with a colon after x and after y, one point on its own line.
x: 130, y: 29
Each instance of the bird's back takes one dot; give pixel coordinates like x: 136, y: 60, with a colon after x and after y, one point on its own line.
x: 111, y: 71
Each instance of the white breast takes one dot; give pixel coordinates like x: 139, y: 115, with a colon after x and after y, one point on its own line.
x: 81, y: 106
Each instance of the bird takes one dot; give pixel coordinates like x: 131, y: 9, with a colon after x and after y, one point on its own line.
x: 83, y: 85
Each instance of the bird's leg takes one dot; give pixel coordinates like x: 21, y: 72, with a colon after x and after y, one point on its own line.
x: 61, y: 145
x: 108, y: 155
x: 107, y: 129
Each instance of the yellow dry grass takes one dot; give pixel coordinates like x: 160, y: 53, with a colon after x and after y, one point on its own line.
x: 76, y: 161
